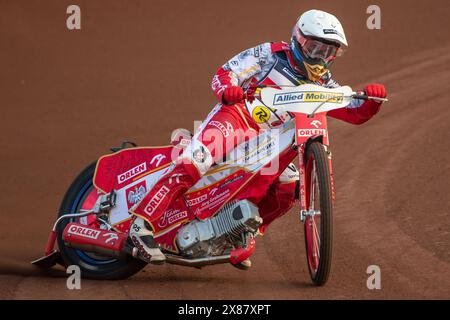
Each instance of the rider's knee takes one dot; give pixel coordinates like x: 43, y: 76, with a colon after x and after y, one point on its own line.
x: 197, y: 156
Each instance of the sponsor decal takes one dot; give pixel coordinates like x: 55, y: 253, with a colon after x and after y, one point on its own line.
x: 111, y: 237
x: 210, y: 200
x: 262, y: 151
x: 289, y: 174
x: 171, y: 216
x: 231, y: 181
x: 158, y: 158
x: 323, y: 97
x: 142, y: 251
x: 197, y: 200
x: 215, y: 200
x: 285, y: 98
x: 311, y: 132
x: 156, y: 200
x: 261, y: 114
x: 221, y: 127
x: 84, y: 232
x: 216, y: 84
x: 185, y: 142
x: 256, y: 51
x: 121, y: 178
x: 213, y: 191
x: 332, y: 31
x: 288, y: 72
x: 295, y: 97
x: 135, y: 193
x: 316, y: 123
x: 176, y: 177
x: 229, y: 126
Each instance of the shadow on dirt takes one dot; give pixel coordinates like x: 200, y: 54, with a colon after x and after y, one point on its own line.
x: 205, y: 278
x: 24, y: 270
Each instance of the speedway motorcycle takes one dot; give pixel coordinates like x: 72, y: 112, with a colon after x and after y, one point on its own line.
x: 213, y: 222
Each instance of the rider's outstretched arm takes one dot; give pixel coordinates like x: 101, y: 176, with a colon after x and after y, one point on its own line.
x: 356, y: 115
x: 360, y: 111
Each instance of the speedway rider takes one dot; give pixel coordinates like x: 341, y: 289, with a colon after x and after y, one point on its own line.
x: 317, y: 39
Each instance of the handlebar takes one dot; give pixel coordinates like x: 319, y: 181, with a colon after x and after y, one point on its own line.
x: 363, y: 96
x: 356, y: 95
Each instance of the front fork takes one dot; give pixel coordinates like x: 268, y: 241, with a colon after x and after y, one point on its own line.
x: 305, y: 186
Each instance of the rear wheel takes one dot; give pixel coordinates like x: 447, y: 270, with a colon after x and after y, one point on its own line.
x: 82, y: 196
x: 318, y: 218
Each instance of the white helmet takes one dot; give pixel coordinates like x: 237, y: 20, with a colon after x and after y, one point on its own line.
x: 317, y: 39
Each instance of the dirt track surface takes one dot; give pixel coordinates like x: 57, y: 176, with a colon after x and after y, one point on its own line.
x: 139, y: 69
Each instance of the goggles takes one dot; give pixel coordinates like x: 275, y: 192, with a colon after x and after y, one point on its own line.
x: 316, y: 49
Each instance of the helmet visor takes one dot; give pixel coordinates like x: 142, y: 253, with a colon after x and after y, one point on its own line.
x: 316, y: 49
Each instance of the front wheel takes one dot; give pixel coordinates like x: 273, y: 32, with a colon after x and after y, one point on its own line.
x: 318, y: 217
x: 82, y: 196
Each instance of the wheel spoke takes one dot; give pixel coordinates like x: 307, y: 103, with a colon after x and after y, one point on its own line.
x: 316, y: 233
x: 316, y: 240
x: 312, y: 251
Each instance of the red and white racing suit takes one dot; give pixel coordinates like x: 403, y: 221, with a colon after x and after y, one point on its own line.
x: 268, y: 64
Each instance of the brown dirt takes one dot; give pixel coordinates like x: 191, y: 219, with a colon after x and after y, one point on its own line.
x: 66, y: 96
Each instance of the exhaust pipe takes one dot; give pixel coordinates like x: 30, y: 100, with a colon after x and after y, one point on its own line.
x: 197, y: 263
x: 105, y: 242
x: 111, y: 243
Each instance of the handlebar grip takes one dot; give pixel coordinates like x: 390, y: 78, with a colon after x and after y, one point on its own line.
x: 363, y: 96
x: 360, y: 95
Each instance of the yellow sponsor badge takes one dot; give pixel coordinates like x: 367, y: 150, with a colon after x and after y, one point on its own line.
x: 261, y: 114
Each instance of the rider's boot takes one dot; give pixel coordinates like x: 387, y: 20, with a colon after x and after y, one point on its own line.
x: 142, y: 237
x: 243, y: 249
x: 243, y: 265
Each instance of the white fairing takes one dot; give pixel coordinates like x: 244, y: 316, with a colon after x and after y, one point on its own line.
x: 307, y: 98
x: 323, y: 25
x: 119, y: 213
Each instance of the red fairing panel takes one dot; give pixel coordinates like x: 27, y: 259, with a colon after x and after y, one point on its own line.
x: 166, y: 227
x: 206, y: 201
x: 309, y: 127
x: 119, y: 169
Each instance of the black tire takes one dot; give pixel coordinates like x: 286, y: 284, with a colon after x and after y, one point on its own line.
x: 317, y: 152
x: 109, y: 268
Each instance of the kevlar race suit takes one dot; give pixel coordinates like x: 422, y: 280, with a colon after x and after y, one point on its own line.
x: 268, y: 64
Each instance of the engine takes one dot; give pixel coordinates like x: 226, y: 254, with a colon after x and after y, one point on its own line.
x: 207, y: 237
